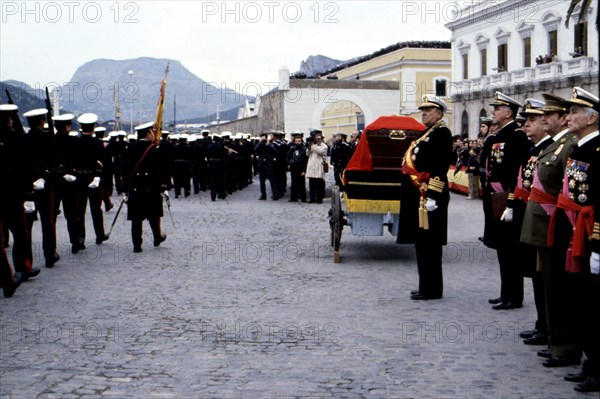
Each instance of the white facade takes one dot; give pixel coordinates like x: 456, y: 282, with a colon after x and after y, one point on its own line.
x: 488, y: 25
x: 304, y: 106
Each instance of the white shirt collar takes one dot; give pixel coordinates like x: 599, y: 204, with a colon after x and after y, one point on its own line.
x: 560, y: 134
x: 546, y: 137
x: 588, y: 138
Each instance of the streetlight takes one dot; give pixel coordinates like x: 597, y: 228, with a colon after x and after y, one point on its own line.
x: 130, y: 73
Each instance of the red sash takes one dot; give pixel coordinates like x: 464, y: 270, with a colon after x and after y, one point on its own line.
x: 582, y: 219
x: 541, y: 197
x: 522, y: 194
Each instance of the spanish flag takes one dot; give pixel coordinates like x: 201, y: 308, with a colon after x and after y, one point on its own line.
x: 158, y: 121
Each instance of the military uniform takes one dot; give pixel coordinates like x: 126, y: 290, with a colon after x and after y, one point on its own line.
x: 145, y: 173
x: 64, y: 183
x: 90, y: 166
x: 183, y: 156
x: 526, y: 254
x: 297, y: 160
x: 571, y: 228
x: 266, y: 154
x: 341, y: 152
x: 217, y: 157
x: 15, y: 185
x: 39, y: 149
x: 424, y: 179
x: 509, y: 149
x: 545, y: 187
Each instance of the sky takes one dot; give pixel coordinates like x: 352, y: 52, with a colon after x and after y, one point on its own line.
x: 225, y: 42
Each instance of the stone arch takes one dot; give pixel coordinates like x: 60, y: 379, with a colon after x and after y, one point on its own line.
x: 340, y: 96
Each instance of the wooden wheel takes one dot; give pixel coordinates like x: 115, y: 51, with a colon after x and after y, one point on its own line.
x: 336, y: 222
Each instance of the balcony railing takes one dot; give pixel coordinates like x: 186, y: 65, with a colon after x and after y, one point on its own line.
x: 539, y: 73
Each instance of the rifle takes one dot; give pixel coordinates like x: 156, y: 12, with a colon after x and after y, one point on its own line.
x: 18, y: 126
x: 123, y: 201
x: 165, y: 195
x: 49, y: 118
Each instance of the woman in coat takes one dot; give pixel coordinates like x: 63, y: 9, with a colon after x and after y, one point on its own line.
x: 316, y: 152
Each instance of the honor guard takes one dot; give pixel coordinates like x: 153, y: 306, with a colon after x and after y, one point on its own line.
x: 64, y: 171
x: 90, y: 167
x: 15, y: 184
x: 425, y: 197
x: 546, y: 185
x: 217, y: 156
x: 145, y: 186
x: 509, y: 149
x: 183, y: 156
x: 39, y: 145
x: 571, y: 232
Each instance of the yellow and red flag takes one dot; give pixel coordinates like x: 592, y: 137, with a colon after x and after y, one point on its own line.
x: 158, y: 121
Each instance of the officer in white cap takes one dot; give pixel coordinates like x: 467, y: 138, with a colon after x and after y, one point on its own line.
x: 425, y: 196
x: 144, y: 173
x: 40, y: 149
x: 91, y: 159
x: 509, y: 149
x: 15, y: 184
x: 574, y: 235
x: 65, y: 150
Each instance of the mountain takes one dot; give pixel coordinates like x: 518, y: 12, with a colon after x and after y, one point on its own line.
x: 91, y: 90
x: 315, y: 65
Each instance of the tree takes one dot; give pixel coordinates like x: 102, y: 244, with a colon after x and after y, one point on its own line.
x: 585, y: 6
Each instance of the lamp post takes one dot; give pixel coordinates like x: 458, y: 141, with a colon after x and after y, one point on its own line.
x: 130, y: 73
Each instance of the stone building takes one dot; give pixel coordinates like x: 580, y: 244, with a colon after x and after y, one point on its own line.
x: 520, y: 48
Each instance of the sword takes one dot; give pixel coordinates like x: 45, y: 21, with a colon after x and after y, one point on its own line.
x: 168, y: 201
x: 117, y: 215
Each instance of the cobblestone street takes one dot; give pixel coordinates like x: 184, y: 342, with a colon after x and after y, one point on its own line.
x: 243, y: 300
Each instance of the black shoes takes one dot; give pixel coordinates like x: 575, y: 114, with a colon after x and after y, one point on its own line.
x: 262, y: 198
x: 157, y: 242
x: 78, y: 246
x: 27, y: 275
x: 100, y: 240
x: 560, y: 362
x: 137, y: 249
x: 51, y: 261
x: 576, y: 377
x: 537, y: 339
x: 528, y: 333
x: 592, y: 384
x: 544, y: 353
x: 495, y: 301
x: 10, y: 289
x: 417, y: 296
x: 506, y: 306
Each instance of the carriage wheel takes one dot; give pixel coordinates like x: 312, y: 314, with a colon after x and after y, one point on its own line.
x: 336, y: 223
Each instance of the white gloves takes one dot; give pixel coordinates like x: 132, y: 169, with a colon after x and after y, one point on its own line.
x: 39, y: 184
x: 69, y: 178
x: 29, y: 206
x: 507, y: 215
x: 431, y: 205
x: 95, y: 183
x: 595, y: 263
x: 165, y: 194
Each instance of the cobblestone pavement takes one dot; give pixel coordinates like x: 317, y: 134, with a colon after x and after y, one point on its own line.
x: 243, y: 300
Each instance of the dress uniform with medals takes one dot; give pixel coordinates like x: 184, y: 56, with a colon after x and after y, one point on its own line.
x: 90, y: 167
x: 509, y: 150
x: 144, y: 174
x: 39, y: 145
x: 572, y: 229
x: 546, y: 185
x: 527, y: 254
x: 425, y: 197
